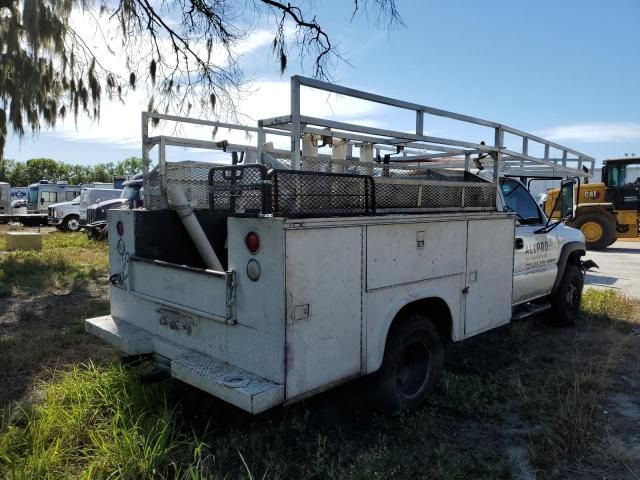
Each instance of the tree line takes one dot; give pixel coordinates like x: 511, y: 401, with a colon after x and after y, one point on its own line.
x: 20, y: 174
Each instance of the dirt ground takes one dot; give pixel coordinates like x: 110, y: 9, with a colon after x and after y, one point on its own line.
x: 525, y: 401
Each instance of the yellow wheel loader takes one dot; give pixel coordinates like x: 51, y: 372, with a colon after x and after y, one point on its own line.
x: 609, y: 210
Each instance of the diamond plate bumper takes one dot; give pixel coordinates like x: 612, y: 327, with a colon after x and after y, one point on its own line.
x: 234, y: 385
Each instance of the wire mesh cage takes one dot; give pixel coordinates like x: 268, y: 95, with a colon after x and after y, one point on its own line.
x: 191, y: 176
x: 240, y: 190
x: 358, y: 189
x: 305, y: 194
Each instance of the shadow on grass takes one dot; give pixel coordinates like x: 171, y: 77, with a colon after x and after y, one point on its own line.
x: 46, y: 331
x: 39, y: 272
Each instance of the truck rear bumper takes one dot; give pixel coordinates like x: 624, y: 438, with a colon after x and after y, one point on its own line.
x: 234, y: 385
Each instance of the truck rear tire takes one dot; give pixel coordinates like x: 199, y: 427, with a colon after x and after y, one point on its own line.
x: 599, y: 229
x: 71, y: 223
x: 565, y: 301
x: 412, y: 364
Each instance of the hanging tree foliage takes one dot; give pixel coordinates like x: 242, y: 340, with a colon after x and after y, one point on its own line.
x: 48, y: 70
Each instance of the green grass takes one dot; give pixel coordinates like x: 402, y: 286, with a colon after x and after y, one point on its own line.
x: 90, y: 423
x: 65, y: 258
x: 100, y: 422
x: 607, y: 303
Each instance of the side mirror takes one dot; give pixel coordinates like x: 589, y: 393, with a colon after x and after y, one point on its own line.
x: 567, y: 199
x: 42, y: 201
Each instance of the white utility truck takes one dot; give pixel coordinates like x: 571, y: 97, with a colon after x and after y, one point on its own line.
x: 296, y: 269
x: 72, y: 216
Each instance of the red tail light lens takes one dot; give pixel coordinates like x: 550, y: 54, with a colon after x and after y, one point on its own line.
x: 120, y: 228
x: 252, y: 241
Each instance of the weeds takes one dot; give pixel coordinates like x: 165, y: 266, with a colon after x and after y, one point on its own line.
x: 568, y: 404
x: 96, y: 423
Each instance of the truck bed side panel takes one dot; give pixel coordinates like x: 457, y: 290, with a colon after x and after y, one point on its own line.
x: 323, y: 285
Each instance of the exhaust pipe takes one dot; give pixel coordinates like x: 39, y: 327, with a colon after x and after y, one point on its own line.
x: 178, y: 200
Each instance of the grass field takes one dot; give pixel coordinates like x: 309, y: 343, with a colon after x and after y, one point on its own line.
x: 523, y: 401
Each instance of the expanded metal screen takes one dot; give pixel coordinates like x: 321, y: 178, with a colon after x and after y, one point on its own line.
x: 191, y: 176
x: 240, y: 190
x: 304, y: 194
x: 361, y: 190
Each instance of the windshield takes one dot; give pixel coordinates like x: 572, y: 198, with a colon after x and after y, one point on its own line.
x: 130, y: 193
x: 32, y: 196
x: 518, y: 199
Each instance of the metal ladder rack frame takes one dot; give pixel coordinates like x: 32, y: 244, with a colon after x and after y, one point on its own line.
x: 417, y: 148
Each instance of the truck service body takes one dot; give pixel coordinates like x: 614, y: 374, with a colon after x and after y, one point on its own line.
x: 330, y: 269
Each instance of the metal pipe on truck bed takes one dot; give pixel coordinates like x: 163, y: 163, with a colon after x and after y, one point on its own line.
x: 178, y: 200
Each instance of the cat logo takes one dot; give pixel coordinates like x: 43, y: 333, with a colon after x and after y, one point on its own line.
x: 591, y: 194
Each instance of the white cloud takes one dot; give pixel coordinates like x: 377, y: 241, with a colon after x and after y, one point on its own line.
x: 120, y: 124
x: 594, y: 132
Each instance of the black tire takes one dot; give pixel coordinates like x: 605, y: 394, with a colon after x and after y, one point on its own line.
x: 589, y: 222
x: 412, y: 364
x: 565, y: 301
x: 71, y: 223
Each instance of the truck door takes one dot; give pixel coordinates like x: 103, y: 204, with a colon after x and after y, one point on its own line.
x: 535, y: 254
x: 623, y: 186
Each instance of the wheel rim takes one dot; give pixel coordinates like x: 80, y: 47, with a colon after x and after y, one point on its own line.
x: 572, y: 297
x: 592, y: 231
x: 414, y: 369
x: 73, y: 224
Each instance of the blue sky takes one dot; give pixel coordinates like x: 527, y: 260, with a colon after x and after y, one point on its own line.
x: 567, y: 69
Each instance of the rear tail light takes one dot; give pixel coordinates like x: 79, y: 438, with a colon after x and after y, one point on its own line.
x: 252, y: 241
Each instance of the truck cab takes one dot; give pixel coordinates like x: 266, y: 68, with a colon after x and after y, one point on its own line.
x: 540, y: 254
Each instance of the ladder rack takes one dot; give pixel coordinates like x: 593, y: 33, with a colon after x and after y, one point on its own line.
x: 409, y: 152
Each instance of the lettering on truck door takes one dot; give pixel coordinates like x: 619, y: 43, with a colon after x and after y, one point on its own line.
x: 535, y: 263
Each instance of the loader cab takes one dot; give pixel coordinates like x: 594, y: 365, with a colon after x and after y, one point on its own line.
x: 621, y: 178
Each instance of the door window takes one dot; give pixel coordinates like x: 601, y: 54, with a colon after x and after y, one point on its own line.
x: 69, y: 195
x: 518, y: 199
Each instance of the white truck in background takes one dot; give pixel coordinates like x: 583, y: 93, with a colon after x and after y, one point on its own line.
x: 263, y: 286
x: 72, y: 216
